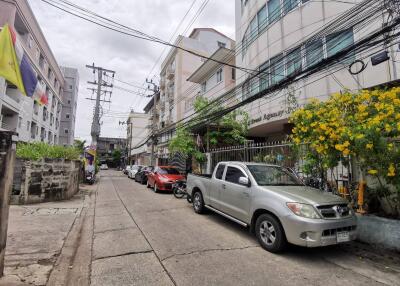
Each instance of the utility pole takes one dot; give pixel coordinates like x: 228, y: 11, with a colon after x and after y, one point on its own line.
x: 101, y: 89
x: 156, y: 89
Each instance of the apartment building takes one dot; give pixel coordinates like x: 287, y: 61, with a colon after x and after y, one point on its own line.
x: 69, y: 105
x: 19, y: 113
x: 212, y: 78
x: 272, y: 37
x: 106, y: 146
x: 137, y: 133
x: 175, y: 88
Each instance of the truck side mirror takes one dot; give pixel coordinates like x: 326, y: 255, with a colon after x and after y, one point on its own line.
x: 244, y: 181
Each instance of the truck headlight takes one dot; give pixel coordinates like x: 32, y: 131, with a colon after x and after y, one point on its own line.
x: 303, y: 210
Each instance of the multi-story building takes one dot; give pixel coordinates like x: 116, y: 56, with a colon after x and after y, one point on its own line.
x: 137, y: 133
x: 69, y: 104
x: 106, y: 146
x: 19, y: 113
x: 273, y: 37
x: 213, y: 78
x: 177, y: 67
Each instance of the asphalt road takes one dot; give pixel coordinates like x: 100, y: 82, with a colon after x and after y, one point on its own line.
x: 144, y: 238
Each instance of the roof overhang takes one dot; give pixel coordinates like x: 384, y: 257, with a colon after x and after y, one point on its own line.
x: 204, y: 71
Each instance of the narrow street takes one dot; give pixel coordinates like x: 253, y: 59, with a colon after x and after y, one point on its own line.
x: 144, y: 238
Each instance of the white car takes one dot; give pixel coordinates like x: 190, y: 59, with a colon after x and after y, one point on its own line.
x: 133, y: 170
x: 103, y: 167
x: 126, y: 170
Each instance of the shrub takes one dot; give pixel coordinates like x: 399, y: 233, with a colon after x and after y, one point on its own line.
x: 38, y: 150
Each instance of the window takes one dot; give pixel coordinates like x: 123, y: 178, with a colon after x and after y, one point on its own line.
x: 221, y: 44
x: 233, y: 174
x: 314, y: 52
x: 41, y: 61
x: 338, y: 42
x: 245, y: 41
x: 70, y: 87
x: 66, y: 131
x: 233, y: 73
x: 30, y: 41
x: 276, y: 69
x: 274, y: 10
x: 262, y: 18
x: 67, y: 116
x: 293, y: 61
x: 253, y: 29
x: 220, y: 171
x: 69, y: 101
x: 28, y: 125
x: 289, y: 5
x: 219, y: 75
x: 204, y: 87
x: 19, y: 122
x: 254, y: 85
x: 264, y: 76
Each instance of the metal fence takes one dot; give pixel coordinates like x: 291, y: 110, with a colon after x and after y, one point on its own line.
x: 283, y: 154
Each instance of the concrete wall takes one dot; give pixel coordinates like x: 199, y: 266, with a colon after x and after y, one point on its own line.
x: 379, y: 231
x: 45, y: 180
x: 7, y: 158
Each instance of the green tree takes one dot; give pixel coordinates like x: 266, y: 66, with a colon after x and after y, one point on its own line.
x: 116, y: 155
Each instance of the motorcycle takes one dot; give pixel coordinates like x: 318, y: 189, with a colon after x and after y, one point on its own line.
x: 90, y: 178
x: 179, y: 190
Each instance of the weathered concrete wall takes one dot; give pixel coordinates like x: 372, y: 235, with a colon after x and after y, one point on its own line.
x: 45, y: 180
x: 379, y: 231
x: 7, y: 158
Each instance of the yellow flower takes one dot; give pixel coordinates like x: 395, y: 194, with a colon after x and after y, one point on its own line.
x: 372, y: 172
x: 391, y: 170
x: 321, y: 138
x: 360, y: 136
x: 346, y: 152
x: 339, y: 147
x: 388, y: 128
x: 304, y: 129
x: 346, y: 144
x: 322, y: 126
x: 390, y: 146
x: 297, y: 140
x: 369, y: 146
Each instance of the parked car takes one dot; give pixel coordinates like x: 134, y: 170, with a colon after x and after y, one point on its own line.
x: 141, y: 176
x: 103, y: 167
x: 276, y: 205
x: 133, y: 170
x: 127, y: 168
x: 162, y: 178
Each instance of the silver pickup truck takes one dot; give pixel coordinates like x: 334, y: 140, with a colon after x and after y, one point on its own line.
x: 277, y: 206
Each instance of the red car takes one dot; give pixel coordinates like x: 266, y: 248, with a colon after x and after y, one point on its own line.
x: 162, y: 178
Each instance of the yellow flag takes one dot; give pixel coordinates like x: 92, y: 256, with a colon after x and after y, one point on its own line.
x: 9, y: 66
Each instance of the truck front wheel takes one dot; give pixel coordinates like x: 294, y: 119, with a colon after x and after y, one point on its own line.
x: 270, y: 233
x: 198, y: 202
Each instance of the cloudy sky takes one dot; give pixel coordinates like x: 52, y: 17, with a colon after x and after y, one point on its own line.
x: 76, y: 43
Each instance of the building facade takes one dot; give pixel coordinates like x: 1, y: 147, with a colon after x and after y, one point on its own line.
x: 137, y: 133
x: 273, y: 39
x: 105, y: 148
x: 175, y: 88
x: 19, y: 113
x: 69, y: 105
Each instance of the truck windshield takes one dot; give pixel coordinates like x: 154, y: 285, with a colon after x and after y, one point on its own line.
x: 273, y: 176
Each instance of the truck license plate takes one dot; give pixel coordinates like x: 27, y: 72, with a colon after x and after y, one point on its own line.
x: 342, y: 236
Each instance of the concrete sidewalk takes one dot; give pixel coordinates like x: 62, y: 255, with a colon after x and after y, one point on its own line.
x: 37, y: 235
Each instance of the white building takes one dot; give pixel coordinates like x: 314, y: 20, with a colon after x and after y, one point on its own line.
x: 19, y: 113
x: 69, y: 105
x: 137, y: 133
x: 213, y: 78
x: 177, y: 67
x: 271, y: 36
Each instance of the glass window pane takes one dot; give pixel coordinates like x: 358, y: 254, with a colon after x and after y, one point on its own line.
x: 314, y: 52
x: 293, y: 61
x: 274, y: 10
x: 220, y: 171
x: 264, y: 76
x: 339, y: 41
x: 276, y: 69
x: 289, y: 5
x: 262, y: 18
x: 253, y: 29
x: 233, y: 175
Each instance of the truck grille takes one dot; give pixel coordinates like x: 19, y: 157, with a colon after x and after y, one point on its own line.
x: 332, y: 232
x: 334, y: 211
